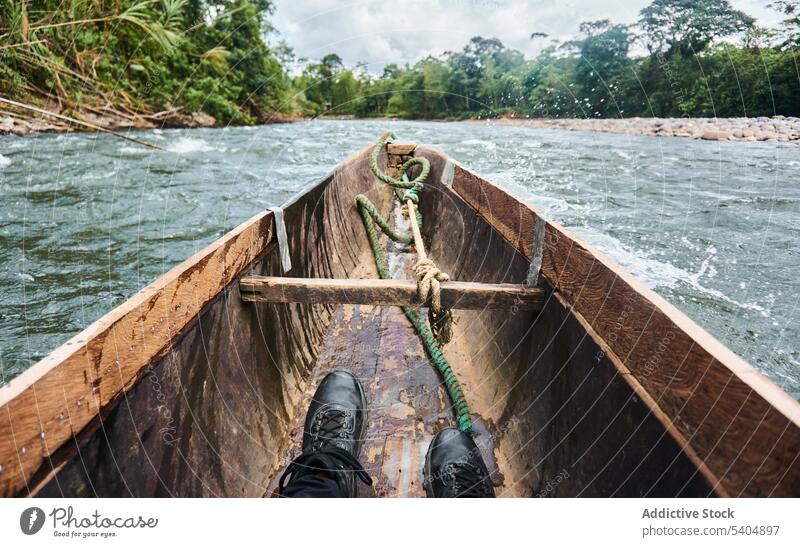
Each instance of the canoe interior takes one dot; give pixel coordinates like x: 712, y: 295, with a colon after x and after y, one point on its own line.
x: 220, y: 412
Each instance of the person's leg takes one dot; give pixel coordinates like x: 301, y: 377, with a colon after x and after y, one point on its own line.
x: 454, y: 467
x: 313, y: 486
x: 334, y: 431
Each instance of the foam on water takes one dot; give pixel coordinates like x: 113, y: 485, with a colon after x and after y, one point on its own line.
x: 188, y: 145
x: 134, y: 150
x: 4, y: 161
x: 652, y: 272
x: 489, y: 145
x: 553, y: 207
x: 661, y: 274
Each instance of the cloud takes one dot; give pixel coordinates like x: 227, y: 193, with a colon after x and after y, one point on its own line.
x: 383, y: 32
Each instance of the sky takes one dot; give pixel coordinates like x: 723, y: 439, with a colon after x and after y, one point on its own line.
x: 385, y: 31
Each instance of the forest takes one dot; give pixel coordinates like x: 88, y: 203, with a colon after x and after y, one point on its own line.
x: 682, y: 58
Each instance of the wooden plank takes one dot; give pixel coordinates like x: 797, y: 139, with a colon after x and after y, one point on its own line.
x: 742, y: 431
x: 388, y: 292
x: 400, y: 149
x: 46, y: 405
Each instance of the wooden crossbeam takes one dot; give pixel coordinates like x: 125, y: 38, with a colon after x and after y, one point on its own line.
x: 388, y: 292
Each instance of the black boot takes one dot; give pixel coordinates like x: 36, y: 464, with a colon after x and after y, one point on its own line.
x: 333, y: 434
x: 454, y: 467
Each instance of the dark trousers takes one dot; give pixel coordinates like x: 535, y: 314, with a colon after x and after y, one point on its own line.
x: 313, y: 486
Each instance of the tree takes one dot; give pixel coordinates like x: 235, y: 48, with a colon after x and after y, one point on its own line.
x: 603, y: 50
x: 318, y: 81
x: 686, y: 27
x: 593, y: 75
x: 257, y: 80
x: 791, y: 25
x: 602, y: 43
x: 477, y: 79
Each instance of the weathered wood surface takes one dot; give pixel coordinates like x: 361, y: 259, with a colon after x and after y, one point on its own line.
x: 740, y: 430
x: 563, y: 422
x: 407, y: 404
x: 389, y: 292
x: 400, y: 149
x: 214, y: 414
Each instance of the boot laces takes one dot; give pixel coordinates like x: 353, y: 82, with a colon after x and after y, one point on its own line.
x: 332, y: 425
x: 465, y: 479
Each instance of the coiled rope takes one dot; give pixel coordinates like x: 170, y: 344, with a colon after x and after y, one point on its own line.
x: 428, y: 275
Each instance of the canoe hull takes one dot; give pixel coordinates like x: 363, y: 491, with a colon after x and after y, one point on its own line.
x: 564, y: 400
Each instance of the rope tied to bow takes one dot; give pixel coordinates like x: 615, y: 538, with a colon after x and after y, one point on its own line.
x: 438, y: 331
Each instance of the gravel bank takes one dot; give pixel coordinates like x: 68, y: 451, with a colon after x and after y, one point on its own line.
x: 25, y: 123
x: 776, y: 128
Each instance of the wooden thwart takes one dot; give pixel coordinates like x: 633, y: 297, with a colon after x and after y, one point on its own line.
x: 388, y: 292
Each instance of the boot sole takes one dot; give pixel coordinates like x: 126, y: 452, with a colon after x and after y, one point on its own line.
x: 365, y: 422
x: 426, y: 473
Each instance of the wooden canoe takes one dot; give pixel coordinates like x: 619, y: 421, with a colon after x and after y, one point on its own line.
x: 608, y: 390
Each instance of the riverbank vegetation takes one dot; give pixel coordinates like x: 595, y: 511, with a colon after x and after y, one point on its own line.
x: 142, y: 58
x: 164, y: 60
x: 698, y: 58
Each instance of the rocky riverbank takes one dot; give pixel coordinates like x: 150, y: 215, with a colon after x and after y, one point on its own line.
x: 17, y: 121
x: 21, y: 122
x: 776, y: 128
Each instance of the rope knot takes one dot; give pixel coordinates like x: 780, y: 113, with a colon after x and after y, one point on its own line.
x: 405, y: 197
x: 411, y: 195
x: 428, y: 278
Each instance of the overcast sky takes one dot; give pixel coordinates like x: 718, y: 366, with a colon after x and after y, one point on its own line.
x: 378, y: 32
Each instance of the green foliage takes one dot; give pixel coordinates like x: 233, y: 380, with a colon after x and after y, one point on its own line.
x: 144, y: 56
x: 691, y: 70
x: 687, y: 27
x: 141, y: 56
x: 602, y: 66
x: 791, y: 24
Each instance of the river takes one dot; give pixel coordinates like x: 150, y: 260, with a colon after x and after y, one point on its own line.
x: 87, y: 220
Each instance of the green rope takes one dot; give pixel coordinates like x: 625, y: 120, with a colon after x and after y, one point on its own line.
x: 403, y: 182
x: 371, y: 216
x: 370, y: 213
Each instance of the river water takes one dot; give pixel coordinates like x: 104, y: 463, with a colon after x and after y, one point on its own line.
x: 713, y: 227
